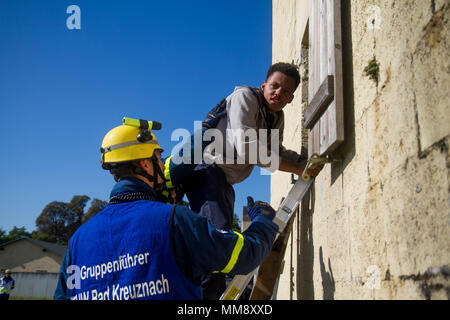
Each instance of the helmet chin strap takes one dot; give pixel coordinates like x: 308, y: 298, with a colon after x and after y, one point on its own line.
x: 156, y: 172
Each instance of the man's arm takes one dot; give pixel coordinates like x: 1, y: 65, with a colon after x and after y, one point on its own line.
x: 291, y: 161
x: 242, y: 127
x: 288, y: 166
x: 201, y: 249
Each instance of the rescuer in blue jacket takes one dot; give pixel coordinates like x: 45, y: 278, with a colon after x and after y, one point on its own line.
x: 139, y: 248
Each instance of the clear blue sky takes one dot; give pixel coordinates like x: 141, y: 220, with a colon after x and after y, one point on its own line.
x: 61, y: 90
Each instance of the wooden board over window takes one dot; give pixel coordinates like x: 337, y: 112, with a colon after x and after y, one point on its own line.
x: 324, y: 116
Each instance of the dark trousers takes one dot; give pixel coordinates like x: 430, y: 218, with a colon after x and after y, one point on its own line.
x: 4, y: 296
x: 211, y: 196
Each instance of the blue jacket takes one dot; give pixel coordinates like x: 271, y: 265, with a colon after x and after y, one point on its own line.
x: 197, y: 247
x: 6, y: 285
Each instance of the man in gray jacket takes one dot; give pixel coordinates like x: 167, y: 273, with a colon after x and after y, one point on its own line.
x: 254, y: 125
x: 246, y: 129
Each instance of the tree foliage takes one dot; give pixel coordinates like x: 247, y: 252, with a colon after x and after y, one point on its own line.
x: 14, y: 233
x: 53, y: 221
x: 236, y: 225
x: 59, y: 220
x: 96, y: 206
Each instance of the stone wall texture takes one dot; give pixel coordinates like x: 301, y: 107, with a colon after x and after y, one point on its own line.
x: 376, y: 224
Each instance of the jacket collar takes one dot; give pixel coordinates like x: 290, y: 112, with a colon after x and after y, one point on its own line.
x: 132, y: 185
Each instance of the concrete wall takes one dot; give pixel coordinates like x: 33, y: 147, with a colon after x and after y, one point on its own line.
x: 377, y: 225
x: 34, y: 285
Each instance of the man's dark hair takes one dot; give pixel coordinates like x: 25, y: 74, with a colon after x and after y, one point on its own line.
x: 287, y: 69
x: 127, y: 169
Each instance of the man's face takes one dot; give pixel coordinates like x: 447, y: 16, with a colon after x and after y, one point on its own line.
x: 278, y: 91
x: 147, y: 166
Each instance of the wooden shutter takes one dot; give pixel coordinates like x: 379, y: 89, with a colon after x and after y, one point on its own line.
x: 324, y: 116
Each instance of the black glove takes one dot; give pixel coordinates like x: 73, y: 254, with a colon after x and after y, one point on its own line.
x: 213, y: 117
x: 259, y: 208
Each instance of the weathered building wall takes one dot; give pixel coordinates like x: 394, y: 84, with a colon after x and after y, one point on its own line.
x: 378, y: 223
x: 34, y: 285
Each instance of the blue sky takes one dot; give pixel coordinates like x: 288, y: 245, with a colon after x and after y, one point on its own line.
x: 61, y: 90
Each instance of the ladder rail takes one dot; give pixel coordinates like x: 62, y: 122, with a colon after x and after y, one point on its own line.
x: 282, y: 217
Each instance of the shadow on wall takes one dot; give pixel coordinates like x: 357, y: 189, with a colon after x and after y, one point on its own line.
x: 328, y: 283
x: 305, y: 255
x: 305, y: 249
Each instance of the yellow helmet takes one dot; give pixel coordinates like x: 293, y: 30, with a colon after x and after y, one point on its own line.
x: 127, y: 143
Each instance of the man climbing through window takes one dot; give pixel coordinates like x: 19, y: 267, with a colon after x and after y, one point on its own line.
x: 208, y: 185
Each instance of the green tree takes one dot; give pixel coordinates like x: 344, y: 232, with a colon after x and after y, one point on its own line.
x: 40, y: 236
x: 17, y: 233
x: 14, y: 233
x: 54, y: 221
x: 3, y: 235
x: 59, y: 220
x: 75, y: 214
x: 235, y: 225
x: 96, y: 206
